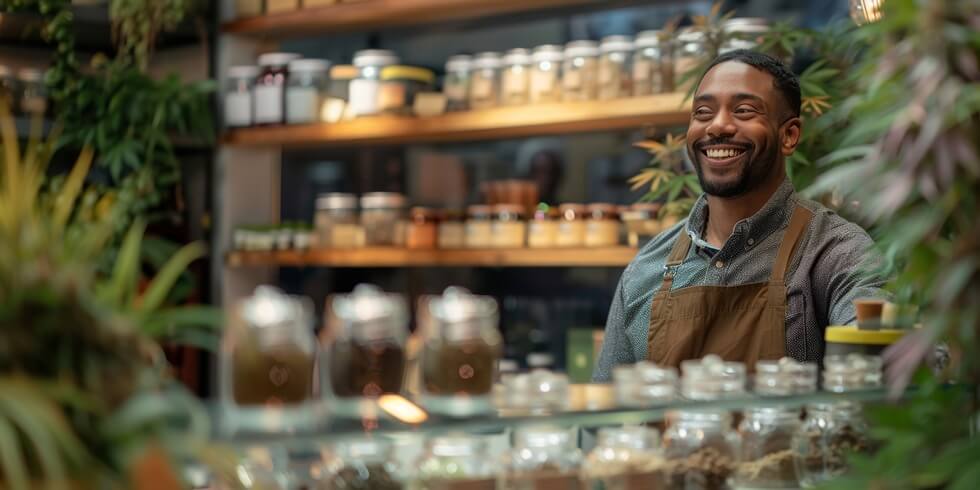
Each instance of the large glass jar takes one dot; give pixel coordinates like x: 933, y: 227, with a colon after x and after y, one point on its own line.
x: 270, y: 88
x: 33, y: 94
x: 690, y: 53
x: 602, y: 226
x: 457, y: 462
x: 363, y: 463
x: 543, y: 457
x: 700, y: 448
x: 306, y: 90
x: 456, y: 85
x: 625, y: 458
x: 580, y: 71
x: 538, y: 392
x: 615, y: 67
x: 478, y: 226
x: 651, y: 64
x: 743, y: 33
x: 508, y: 230
x: 336, y: 221
x: 515, y: 83
x: 546, y: 74
x: 542, y: 230
x: 571, y: 227
x: 364, y: 89
x: 238, y: 96
x: 485, y: 81
x: 380, y: 214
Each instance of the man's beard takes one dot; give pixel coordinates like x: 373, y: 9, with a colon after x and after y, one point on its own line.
x: 750, y: 176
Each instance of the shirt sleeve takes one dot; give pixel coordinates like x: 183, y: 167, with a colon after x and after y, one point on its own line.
x: 615, y: 344
x: 845, y: 273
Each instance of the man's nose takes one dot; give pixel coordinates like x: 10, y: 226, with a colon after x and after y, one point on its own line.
x: 721, y: 125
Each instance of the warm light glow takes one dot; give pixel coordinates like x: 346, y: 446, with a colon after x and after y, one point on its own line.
x: 866, y: 11
x: 402, y: 409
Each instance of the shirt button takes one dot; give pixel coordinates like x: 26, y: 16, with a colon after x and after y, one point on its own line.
x: 719, y: 264
x: 751, y: 241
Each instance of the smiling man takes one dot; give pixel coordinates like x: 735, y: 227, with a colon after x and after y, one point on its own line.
x: 755, y: 271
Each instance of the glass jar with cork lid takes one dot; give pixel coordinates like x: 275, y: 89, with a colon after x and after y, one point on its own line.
x: 580, y: 71
x: 615, y: 67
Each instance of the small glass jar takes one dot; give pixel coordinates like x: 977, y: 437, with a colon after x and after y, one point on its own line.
x: 478, y: 227
x: 399, y: 85
x: 452, y: 231
x: 538, y: 392
x: 270, y: 88
x: 336, y: 221
x: 485, y: 81
x: 625, y: 458
x: 422, y: 228
x: 700, y: 448
x: 546, y: 74
x: 238, y: 96
x: 571, y: 227
x: 543, y: 457
x: 691, y: 52
x: 508, y: 230
x: 652, y: 66
x: 366, y: 463
x: 335, y: 106
x: 33, y: 94
x: 516, y: 78
x: 580, y: 71
x: 601, y: 226
x: 457, y: 462
x: 380, y: 214
x: 364, y: 89
x: 456, y: 85
x: 615, y: 67
x: 644, y: 384
x: 8, y: 88
x: 711, y: 378
x: 542, y: 231
x: 743, y: 33
x: 306, y: 89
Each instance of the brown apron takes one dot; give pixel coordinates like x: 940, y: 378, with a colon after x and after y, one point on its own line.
x: 743, y: 323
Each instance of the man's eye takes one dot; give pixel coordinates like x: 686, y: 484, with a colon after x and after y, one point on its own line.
x: 744, y: 110
x: 703, y: 112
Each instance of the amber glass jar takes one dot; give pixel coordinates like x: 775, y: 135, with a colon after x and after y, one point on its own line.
x: 422, y: 228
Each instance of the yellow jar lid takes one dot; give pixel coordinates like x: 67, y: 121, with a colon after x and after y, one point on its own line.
x: 850, y: 334
x: 402, y: 72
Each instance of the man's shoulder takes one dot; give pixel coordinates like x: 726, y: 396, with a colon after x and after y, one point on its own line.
x: 830, y: 225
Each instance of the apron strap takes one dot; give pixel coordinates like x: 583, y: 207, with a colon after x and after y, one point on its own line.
x: 677, y: 255
x: 794, y: 234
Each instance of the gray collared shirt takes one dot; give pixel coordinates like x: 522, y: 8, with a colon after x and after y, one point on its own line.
x: 824, y: 277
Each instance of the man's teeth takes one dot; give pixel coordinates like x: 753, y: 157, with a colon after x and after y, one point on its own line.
x: 723, y: 153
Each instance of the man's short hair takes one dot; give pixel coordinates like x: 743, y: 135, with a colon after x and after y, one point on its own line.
x: 783, y: 79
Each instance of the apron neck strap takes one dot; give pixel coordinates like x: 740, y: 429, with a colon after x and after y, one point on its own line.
x: 677, y: 255
x: 794, y: 234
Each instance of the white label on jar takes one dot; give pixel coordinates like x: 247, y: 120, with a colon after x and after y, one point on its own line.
x: 302, y: 104
x: 364, y: 97
x: 515, y: 81
x: 238, y: 109
x: 268, y: 104
x: 542, y: 84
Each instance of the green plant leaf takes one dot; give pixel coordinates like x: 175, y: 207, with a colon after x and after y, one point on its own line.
x: 121, y: 288
x: 12, y: 465
x: 160, y: 286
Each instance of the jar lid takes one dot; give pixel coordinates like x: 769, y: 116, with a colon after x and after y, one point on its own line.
x: 377, y: 200
x: 30, y: 75
x: 648, y: 39
x: 517, y: 56
x: 309, y: 65
x: 628, y: 437
x: 601, y: 210
x: 336, y: 200
x: 576, y: 49
x: 572, y: 211
x: 370, y: 314
x: 374, y: 57
x: 343, y: 72
x: 691, y: 34
x: 851, y: 372
x: 487, y: 60
x: 276, y: 59
x: 459, y: 445
x: 509, y: 209
x: 457, y: 307
x: 784, y: 377
x: 746, y: 24
x: 404, y: 72
x: 269, y: 307
x: 479, y: 210
x: 711, y: 378
x: 540, y: 360
x: 850, y: 334
x: 547, y: 52
x: 365, y: 448
x: 611, y: 44
x: 240, y: 71
x: 459, y: 62
x: 542, y: 437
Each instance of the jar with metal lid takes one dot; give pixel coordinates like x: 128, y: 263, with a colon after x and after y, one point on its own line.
x: 625, y: 458
x: 485, y: 81
x: 543, y: 457
x: 457, y: 462
x: 652, y: 64
x: 335, y: 106
x: 452, y: 231
x: 364, y: 89
x: 615, y: 67
x: 422, y: 228
x: 546, y: 74
x: 542, y: 231
x: 743, y: 33
x: 538, y: 392
x: 460, y: 352
x: 306, y: 90
x: 336, y: 221
x: 238, y: 96
x: 380, y: 214
x: 366, y: 462
x: 456, y: 85
x: 571, y: 227
x: 399, y: 85
x: 644, y: 384
x: 508, y: 229
x: 516, y: 77
x: 580, y: 71
x: 8, y: 88
x: 602, y: 226
x: 270, y: 88
x: 711, y: 378
x: 33, y: 94
x: 690, y: 53
x: 478, y: 227
x: 267, y: 359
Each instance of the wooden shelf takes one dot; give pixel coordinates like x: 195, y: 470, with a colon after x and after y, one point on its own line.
x: 401, y: 257
x: 365, y: 14
x: 503, y: 122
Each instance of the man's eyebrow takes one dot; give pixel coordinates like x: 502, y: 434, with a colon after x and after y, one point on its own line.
x: 752, y: 97
x: 704, y: 98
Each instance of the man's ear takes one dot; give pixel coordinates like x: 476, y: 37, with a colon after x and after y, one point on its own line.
x: 790, y: 134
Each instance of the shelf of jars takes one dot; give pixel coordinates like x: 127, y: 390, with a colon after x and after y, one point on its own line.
x: 501, y: 122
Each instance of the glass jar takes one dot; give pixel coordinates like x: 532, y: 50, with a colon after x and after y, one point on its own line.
x: 542, y: 231
x: 364, y: 89
x: 238, y: 96
x: 399, y: 85
x: 700, y: 448
x: 538, y: 392
x: 485, y: 81
x: 336, y: 221
x: 422, y: 229
x: 644, y: 384
x: 33, y: 94
x: 543, y: 457
x: 335, y: 106
x: 460, y: 352
x: 363, y: 463
x: 571, y: 228
x: 580, y: 71
x: 601, y: 226
x: 8, y: 88
x: 743, y: 33
x: 711, y: 378
x: 615, y: 67
x: 691, y: 52
x: 508, y: 230
x: 457, y: 462
x: 456, y: 85
x: 452, y: 231
x: 625, y: 458
x: 651, y: 64
x: 478, y: 228
x: 516, y: 77
x: 307, y: 87
x: 270, y: 88
x: 546, y: 74
x: 380, y: 214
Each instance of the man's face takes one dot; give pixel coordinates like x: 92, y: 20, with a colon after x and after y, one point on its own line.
x: 740, y: 129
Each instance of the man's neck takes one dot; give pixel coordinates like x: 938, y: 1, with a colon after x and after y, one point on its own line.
x: 725, y: 212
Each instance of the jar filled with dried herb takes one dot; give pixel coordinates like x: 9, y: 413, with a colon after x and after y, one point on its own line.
x: 626, y: 458
x: 615, y: 67
x: 543, y: 457
x: 456, y: 84
x: 546, y: 76
x: 360, y: 464
x: 652, y: 68
x: 580, y: 71
x: 690, y: 53
x: 458, y: 461
x: 700, y: 449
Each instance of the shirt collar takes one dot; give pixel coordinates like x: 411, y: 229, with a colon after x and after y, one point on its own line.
x: 750, y: 231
